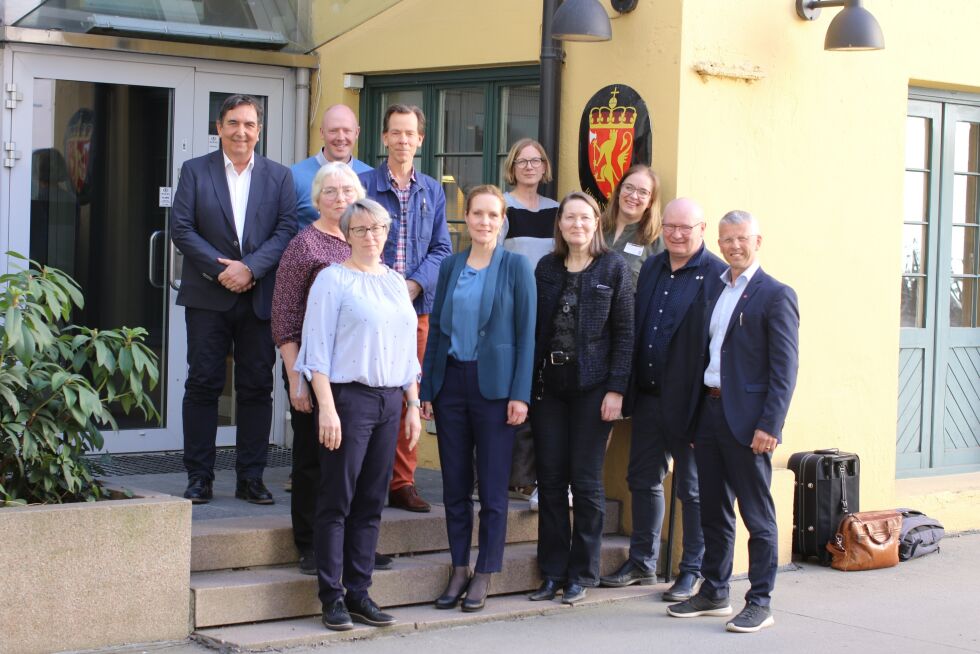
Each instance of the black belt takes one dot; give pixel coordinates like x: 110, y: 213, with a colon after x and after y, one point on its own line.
x: 559, y: 358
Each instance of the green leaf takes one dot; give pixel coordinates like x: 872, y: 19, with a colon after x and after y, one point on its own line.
x: 125, y: 361
x: 11, y: 325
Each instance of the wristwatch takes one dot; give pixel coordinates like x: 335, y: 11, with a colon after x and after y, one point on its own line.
x: 416, y: 403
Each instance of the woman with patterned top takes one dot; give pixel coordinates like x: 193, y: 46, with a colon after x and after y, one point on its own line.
x: 631, y: 223
x: 584, y: 349
x: 358, y: 351
x: 316, y: 246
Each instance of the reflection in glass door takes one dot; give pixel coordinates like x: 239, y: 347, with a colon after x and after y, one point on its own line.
x: 100, y: 154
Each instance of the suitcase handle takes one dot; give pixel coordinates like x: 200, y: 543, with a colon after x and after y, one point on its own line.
x: 831, y: 450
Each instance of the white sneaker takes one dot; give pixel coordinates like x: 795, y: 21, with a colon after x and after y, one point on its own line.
x: 569, y: 497
x: 532, y: 501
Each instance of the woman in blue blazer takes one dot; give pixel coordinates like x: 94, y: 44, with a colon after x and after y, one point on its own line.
x: 476, y: 377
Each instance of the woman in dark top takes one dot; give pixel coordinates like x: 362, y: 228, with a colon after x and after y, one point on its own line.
x: 530, y: 215
x: 477, y: 376
x: 631, y: 224
x: 583, y: 353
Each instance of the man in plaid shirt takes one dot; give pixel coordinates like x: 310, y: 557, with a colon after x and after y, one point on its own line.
x: 417, y: 243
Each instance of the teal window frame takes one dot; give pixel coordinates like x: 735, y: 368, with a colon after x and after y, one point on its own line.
x: 493, y: 80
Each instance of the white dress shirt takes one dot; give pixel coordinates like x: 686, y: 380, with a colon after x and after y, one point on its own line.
x: 238, y: 187
x: 721, y: 317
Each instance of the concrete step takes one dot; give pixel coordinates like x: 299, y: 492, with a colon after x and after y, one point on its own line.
x: 227, y: 597
x: 310, y: 632
x: 226, y: 543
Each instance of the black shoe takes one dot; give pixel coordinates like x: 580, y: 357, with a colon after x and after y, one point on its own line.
x: 573, y: 593
x: 459, y: 580
x: 307, y: 562
x: 685, y: 587
x: 628, y: 574
x: 382, y: 562
x: 253, y: 491
x: 336, y: 617
x: 751, y: 619
x: 367, y: 612
x: 546, y: 591
x: 476, y: 593
x: 199, y: 490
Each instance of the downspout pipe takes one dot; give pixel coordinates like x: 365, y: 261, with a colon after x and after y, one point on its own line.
x: 548, y: 112
x: 302, y: 118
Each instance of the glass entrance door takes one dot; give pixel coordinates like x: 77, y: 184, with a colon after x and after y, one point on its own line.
x: 211, y: 90
x: 102, y: 142
x: 97, y: 143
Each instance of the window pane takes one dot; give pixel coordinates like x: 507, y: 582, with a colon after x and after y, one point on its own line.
x: 917, y: 132
x: 518, y: 114
x: 916, y: 197
x: 913, y: 301
x: 462, y: 120
x: 965, y: 198
x: 962, y: 303
x: 914, y: 249
x: 963, y: 258
x: 458, y: 175
x: 965, y: 148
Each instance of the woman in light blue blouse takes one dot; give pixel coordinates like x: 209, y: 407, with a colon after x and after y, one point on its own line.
x: 358, y: 351
x: 477, y: 379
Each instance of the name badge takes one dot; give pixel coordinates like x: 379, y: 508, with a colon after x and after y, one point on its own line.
x: 634, y: 249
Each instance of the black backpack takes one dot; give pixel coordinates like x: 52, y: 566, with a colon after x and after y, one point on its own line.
x: 920, y: 534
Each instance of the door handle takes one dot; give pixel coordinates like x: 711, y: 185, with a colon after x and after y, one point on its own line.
x: 151, y: 274
x: 174, y: 253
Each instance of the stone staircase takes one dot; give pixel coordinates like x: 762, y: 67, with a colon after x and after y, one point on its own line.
x: 247, y: 592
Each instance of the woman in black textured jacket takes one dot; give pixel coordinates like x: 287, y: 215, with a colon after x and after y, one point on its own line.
x: 583, y: 357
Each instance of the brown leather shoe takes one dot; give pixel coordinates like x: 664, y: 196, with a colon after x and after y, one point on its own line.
x: 407, y: 498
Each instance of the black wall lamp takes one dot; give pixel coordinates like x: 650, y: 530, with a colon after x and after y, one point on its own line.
x: 854, y: 28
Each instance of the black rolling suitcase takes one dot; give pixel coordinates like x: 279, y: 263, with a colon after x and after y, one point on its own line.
x: 827, y: 489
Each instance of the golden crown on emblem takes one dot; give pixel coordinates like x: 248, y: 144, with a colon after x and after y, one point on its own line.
x: 612, y: 116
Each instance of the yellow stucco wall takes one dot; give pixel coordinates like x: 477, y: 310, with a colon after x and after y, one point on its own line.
x: 815, y: 149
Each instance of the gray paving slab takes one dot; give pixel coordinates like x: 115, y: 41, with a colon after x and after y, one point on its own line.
x: 927, y: 605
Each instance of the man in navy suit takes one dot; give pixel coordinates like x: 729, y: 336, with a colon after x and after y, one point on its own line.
x: 671, y: 312
x: 753, y: 358
x: 233, y: 214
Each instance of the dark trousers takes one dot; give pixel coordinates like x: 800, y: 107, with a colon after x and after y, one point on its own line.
x: 305, y: 472
x: 650, y: 453
x: 728, y: 470
x: 210, y: 336
x: 468, y: 421
x: 570, y: 447
x: 353, y: 486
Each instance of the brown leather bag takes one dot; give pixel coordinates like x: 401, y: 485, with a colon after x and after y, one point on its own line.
x: 866, y: 541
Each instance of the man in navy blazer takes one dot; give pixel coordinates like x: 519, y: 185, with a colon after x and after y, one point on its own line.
x: 233, y: 214
x: 671, y: 313
x: 753, y: 358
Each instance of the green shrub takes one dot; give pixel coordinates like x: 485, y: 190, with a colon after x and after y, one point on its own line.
x: 56, y: 383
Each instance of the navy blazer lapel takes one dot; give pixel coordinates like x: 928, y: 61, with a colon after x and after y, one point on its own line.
x: 747, y: 294
x: 220, y: 182
x: 446, y: 319
x: 490, y: 286
x: 256, y: 191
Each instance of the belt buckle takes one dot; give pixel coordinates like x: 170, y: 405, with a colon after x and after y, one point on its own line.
x: 558, y: 358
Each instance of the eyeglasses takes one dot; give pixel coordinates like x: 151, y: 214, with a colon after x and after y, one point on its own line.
x: 684, y: 230
x: 584, y: 220
x: 331, y: 192
x: 374, y: 230
x: 629, y: 189
x: 529, y: 163
x: 732, y: 240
